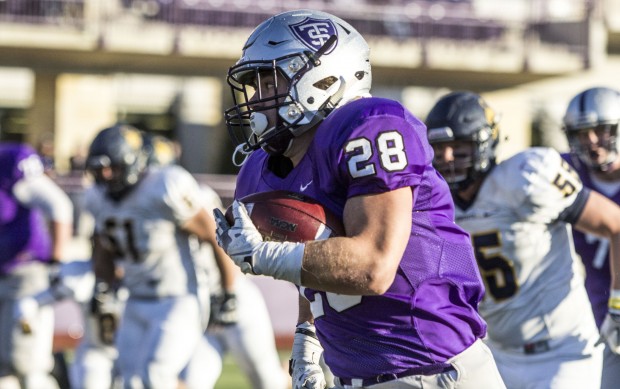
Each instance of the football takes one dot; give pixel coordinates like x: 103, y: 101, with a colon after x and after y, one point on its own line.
x: 288, y: 216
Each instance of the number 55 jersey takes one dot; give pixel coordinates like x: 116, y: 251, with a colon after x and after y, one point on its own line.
x: 429, y: 314
x: 520, y: 226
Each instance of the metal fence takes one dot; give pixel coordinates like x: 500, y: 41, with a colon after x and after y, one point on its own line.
x: 56, y: 12
x: 397, y: 19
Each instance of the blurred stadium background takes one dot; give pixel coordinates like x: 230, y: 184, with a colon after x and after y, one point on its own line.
x: 71, y: 67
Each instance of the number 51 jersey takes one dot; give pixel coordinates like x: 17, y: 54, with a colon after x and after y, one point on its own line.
x: 143, y: 229
x: 519, y: 229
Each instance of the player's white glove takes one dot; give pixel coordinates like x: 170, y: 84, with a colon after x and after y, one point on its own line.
x: 244, y: 244
x: 610, y: 330
x: 304, y: 368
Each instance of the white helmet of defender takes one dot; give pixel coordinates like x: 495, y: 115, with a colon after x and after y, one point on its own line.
x: 596, y: 109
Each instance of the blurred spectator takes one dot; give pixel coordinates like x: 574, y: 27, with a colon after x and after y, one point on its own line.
x: 77, y: 162
x: 45, y: 148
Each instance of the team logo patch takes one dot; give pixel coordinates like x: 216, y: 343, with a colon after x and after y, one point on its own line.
x: 314, y: 33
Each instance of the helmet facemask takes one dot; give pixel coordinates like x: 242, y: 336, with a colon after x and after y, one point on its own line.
x: 458, y: 169
x: 588, y: 152
x: 473, y: 156
x: 467, y: 121
x: 248, y: 119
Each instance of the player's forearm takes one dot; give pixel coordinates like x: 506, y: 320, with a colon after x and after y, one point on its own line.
x: 228, y: 270
x: 103, y: 261
x: 364, y: 263
x: 353, y: 268
x: 366, y: 260
x: 61, y: 237
x: 200, y: 225
x: 600, y: 216
x: 304, y: 314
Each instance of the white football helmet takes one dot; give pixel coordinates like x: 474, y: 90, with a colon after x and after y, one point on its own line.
x: 325, y: 62
x: 594, y: 109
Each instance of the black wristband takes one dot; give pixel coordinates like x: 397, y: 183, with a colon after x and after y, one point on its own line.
x: 307, y: 332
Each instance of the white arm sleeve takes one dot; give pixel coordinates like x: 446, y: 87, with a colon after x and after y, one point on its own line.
x: 41, y: 192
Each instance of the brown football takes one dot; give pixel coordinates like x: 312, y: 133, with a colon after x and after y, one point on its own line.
x: 287, y: 216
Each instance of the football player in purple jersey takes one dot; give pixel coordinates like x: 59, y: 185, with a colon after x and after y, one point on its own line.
x: 35, y: 229
x: 591, y: 126
x: 394, y: 302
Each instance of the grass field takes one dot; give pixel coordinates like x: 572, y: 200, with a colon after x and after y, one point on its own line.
x: 233, y: 378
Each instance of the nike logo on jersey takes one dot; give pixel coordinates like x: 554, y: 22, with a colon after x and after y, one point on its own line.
x: 303, y: 187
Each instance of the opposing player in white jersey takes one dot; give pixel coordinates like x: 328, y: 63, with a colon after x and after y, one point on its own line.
x: 145, y: 225
x: 239, y: 324
x: 591, y: 126
x: 519, y: 214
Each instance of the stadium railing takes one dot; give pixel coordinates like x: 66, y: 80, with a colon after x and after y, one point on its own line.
x: 458, y: 20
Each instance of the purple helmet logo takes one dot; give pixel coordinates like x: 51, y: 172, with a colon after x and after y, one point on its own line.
x: 314, y: 33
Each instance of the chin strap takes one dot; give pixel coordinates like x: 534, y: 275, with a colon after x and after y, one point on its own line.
x: 240, y: 149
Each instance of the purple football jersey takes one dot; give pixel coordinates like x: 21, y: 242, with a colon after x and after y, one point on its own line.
x: 594, y: 252
x: 23, y: 233
x: 429, y: 314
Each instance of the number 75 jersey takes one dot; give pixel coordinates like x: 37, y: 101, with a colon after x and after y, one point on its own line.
x: 523, y: 243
